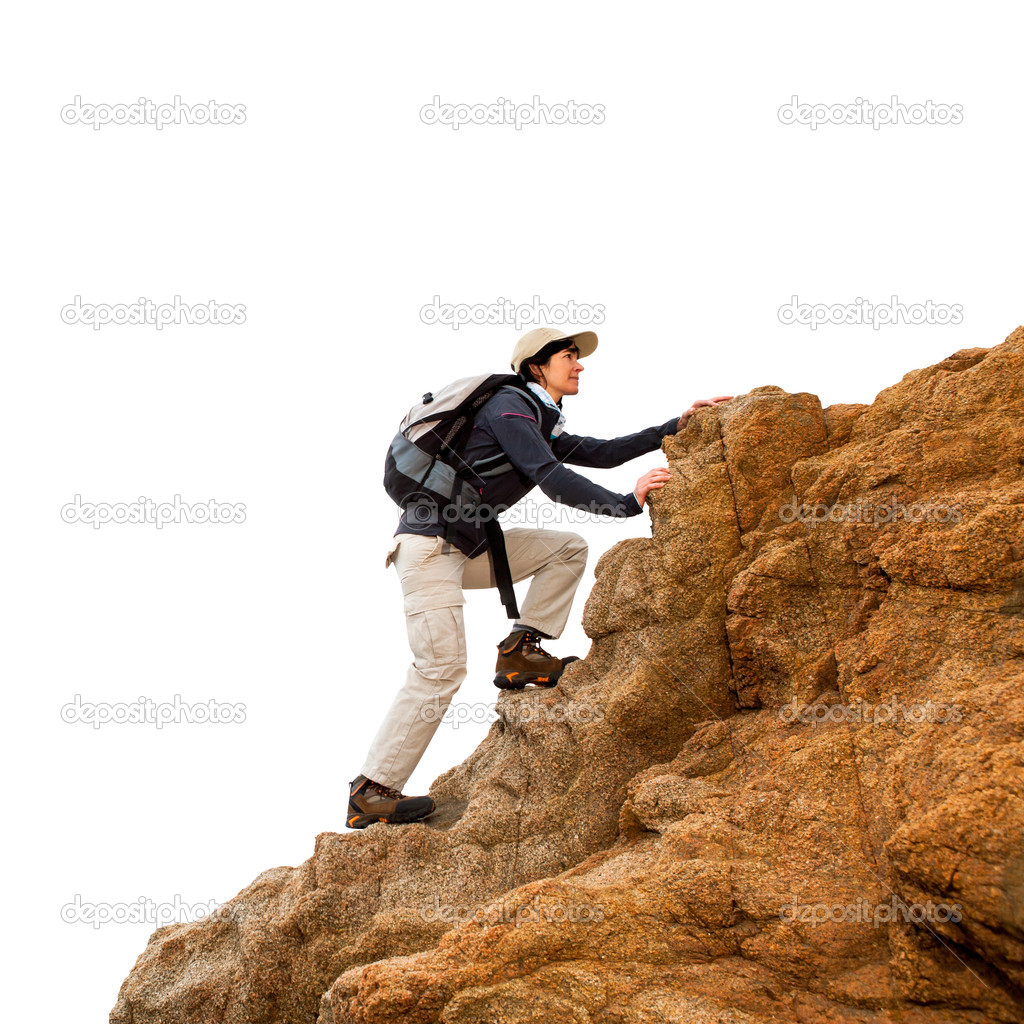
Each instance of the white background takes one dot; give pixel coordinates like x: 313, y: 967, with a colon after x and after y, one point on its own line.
x: 334, y: 214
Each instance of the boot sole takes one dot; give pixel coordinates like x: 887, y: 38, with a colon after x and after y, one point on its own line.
x: 505, y: 681
x: 363, y: 820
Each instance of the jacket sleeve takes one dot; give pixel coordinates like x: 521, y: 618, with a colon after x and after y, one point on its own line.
x: 598, y: 454
x: 514, y: 426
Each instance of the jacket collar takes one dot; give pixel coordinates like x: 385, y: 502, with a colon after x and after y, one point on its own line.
x: 553, y: 419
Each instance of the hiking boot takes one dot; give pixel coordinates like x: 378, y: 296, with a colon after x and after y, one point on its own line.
x: 370, y: 801
x: 522, y: 660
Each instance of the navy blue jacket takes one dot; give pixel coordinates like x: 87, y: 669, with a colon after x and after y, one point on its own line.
x: 506, y: 430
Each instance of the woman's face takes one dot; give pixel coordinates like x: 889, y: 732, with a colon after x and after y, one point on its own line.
x: 562, y: 372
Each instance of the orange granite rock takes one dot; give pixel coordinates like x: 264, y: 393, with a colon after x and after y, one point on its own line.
x: 786, y: 784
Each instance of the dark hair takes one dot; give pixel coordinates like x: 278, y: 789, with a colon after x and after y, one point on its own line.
x: 541, y: 357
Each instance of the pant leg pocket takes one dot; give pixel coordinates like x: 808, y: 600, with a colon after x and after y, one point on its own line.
x: 414, y: 554
x: 437, y: 637
x: 395, y: 541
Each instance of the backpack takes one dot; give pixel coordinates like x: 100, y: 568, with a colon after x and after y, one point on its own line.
x: 424, y: 461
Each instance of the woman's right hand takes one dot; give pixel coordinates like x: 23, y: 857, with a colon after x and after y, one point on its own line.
x: 650, y: 481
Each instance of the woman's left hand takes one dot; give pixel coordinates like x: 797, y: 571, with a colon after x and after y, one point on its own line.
x: 698, y: 404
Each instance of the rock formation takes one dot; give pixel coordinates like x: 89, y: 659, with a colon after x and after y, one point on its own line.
x: 785, y: 785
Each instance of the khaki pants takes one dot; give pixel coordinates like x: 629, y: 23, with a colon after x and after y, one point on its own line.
x: 433, y: 574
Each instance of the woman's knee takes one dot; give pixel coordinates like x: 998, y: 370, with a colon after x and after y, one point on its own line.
x: 576, y: 547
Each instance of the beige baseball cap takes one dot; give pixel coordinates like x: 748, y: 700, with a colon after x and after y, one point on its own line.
x: 533, y: 341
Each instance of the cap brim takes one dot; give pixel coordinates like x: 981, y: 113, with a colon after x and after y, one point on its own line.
x: 586, y: 342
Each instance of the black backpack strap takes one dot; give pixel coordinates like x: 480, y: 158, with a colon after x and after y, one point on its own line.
x: 502, y: 572
x: 492, y: 528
